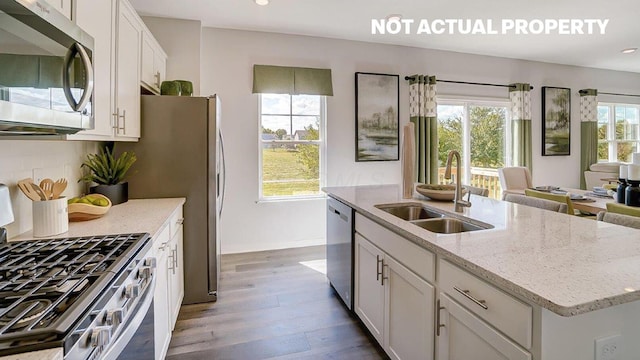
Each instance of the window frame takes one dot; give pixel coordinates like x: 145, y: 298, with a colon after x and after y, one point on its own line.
x: 466, y: 102
x: 611, y: 141
x: 321, y: 142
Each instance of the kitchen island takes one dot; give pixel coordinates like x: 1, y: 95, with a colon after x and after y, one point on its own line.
x: 569, y: 281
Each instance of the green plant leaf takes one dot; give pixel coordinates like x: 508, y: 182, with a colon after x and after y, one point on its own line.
x: 105, y: 168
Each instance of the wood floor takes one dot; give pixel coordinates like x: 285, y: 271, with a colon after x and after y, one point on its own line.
x: 272, y: 305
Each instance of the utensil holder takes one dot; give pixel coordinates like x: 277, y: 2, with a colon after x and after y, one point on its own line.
x: 50, y: 217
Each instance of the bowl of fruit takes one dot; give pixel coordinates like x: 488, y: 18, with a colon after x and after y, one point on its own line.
x: 88, y: 207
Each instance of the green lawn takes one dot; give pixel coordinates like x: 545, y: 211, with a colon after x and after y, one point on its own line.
x: 283, y: 175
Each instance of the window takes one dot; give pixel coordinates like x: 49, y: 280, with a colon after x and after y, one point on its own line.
x: 478, y: 130
x: 291, y: 145
x: 618, y: 131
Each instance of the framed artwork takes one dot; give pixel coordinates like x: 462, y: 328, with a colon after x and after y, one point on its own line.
x: 556, y: 121
x: 377, y: 119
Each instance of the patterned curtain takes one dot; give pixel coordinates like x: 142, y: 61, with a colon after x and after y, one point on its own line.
x: 520, y: 96
x: 588, y: 131
x: 423, y: 113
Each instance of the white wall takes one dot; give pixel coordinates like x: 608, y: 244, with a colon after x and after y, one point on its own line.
x: 180, y: 39
x: 56, y: 159
x: 226, y: 68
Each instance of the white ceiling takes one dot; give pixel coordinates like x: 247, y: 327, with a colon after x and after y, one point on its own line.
x: 351, y: 19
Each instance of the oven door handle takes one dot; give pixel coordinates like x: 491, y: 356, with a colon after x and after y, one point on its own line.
x: 130, y: 327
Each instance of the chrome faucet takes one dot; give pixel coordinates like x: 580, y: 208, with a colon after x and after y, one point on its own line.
x: 459, y: 203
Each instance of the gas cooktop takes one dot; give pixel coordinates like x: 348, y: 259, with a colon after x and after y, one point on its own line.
x: 47, y: 286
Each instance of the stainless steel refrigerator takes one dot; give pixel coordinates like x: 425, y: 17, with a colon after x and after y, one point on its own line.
x: 181, y: 154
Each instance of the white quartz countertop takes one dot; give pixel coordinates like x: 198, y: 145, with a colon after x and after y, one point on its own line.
x: 566, y: 264
x: 134, y: 216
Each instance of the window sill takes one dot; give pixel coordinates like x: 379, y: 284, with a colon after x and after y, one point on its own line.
x: 292, y: 198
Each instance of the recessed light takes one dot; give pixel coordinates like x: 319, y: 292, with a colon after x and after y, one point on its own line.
x: 262, y: 2
x: 629, y: 50
x: 394, y: 17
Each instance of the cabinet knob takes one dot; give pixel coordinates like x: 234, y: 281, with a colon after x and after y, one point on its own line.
x: 151, y: 262
x: 114, y: 317
x: 145, y: 273
x: 132, y: 291
x: 100, y: 336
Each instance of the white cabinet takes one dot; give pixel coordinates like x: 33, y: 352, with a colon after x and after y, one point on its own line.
x: 162, y: 330
x: 63, y: 6
x: 126, y: 56
x: 462, y: 335
x: 168, y: 246
x: 393, y: 302
x: 96, y: 17
x: 153, y: 65
x: 127, y: 79
x: 369, y: 292
x: 175, y: 271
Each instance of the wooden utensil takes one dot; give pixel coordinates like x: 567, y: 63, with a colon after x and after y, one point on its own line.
x: 58, y: 187
x: 39, y: 191
x: 47, y: 187
x: 25, y: 186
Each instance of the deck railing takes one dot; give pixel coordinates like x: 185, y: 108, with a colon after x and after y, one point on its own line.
x: 480, y: 177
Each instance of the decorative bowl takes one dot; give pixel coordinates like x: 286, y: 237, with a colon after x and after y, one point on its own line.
x: 438, y: 192
x: 84, y: 212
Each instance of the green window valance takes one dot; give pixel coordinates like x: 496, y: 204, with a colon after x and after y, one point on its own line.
x: 268, y: 79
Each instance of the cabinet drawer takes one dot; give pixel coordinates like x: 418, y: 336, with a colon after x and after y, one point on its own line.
x: 508, y: 314
x: 415, y: 258
x: 175, y: 222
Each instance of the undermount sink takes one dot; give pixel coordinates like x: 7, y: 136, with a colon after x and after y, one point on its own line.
x: 409, y: 211
x: 432, y: 220
x: 449, y: 225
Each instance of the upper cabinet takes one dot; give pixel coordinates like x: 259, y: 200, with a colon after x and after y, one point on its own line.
x: 121, y: 51
x: 154, y: 63
x: 63, y: 6
x: 127, y: 69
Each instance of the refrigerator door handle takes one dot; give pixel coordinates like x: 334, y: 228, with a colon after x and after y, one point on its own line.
x: 224, y: 173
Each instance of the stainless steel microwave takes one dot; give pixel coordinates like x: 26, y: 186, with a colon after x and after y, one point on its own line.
x: 46, y: 75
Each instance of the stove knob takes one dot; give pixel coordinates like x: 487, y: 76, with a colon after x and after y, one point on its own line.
x: 145, y: 273
x: 100, y: 336
x: 115, y: 316
x: 151, y: 262
x: 132, y: 291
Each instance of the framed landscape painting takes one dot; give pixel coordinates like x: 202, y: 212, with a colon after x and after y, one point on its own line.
x: 377, y: 119
x: 556, y: 121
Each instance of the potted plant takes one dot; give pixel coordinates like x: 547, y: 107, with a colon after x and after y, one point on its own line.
x: 108, y: 173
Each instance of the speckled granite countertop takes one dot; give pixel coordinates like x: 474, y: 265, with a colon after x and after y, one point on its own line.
x: 50, y: 354
x: 134, y: 216
x: 566, y: 264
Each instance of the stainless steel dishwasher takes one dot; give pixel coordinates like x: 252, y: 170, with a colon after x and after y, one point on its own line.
x: 340, y: 249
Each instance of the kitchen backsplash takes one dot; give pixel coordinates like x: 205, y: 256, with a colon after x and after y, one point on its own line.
x: 52, y: 159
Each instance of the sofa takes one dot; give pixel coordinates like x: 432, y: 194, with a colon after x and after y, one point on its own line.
x: 597, y: 172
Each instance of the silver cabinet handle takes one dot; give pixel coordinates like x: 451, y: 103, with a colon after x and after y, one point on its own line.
x: 384, y: 277
x: 116, y: 117
x: 124, y: 122
x: 164, y: 245
x: 438, y: 325
x: 379, y: 262
x: 465, y: 293
x: 157, y: 76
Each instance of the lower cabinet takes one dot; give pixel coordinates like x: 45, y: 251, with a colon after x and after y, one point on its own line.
x: 162, y: 331
x: 175, y: 275
x: 395, y: 304
x: 169, y: 290
x: 463, y: 335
